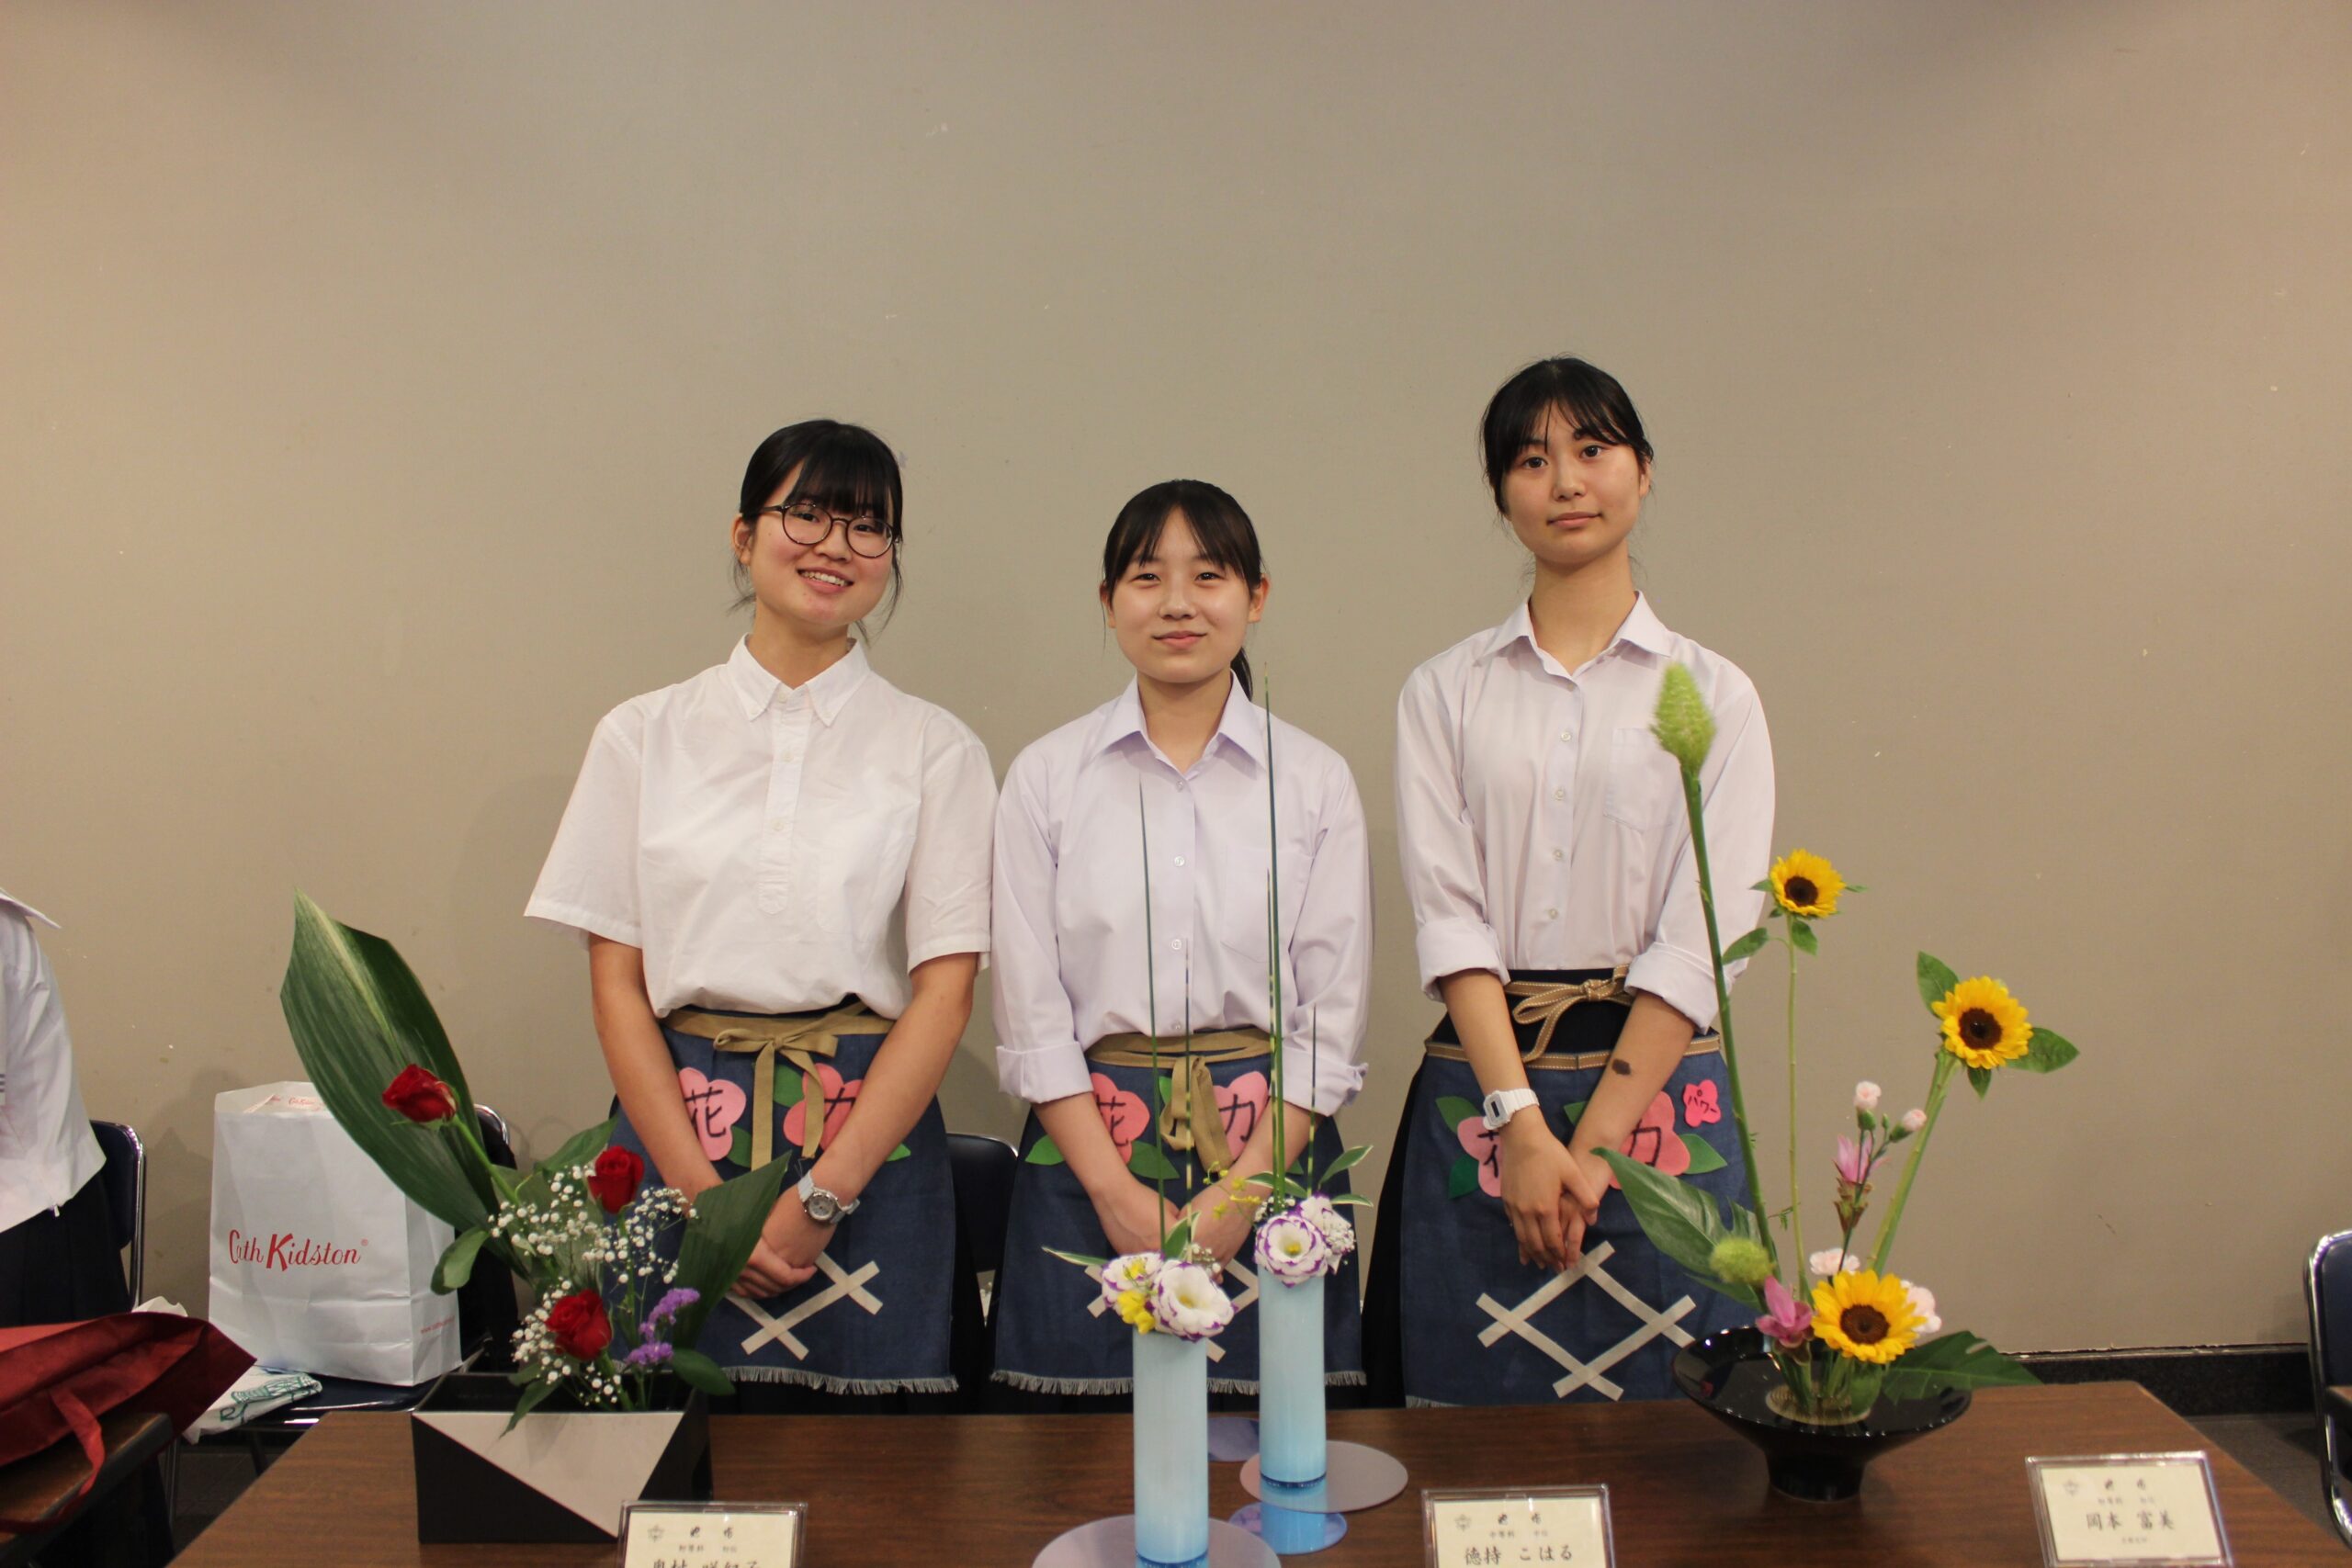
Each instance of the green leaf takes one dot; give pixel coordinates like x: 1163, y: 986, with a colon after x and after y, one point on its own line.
x: 1763, y: 886
x: 1346, y: 1159
x: 532, y: 1396
x: 1149, y: 1162
x: 1455, y: 1109
x: 1747, y: 946
x: 580, y: 1148
x: 1083, y: 1259
x: 902, y: 1152
x: 1980, y: 1079
x: 1935, y: 980
x: 1958, y: 1359
x: 1360, y: 1201
x: 1045, y: 1151
x: 790, y: 1087
x: 2046, y: 1053
x: 1461, y: 1177
x: 457, y: 1265
x: 1164, y: 1085
x: 357, y: 1017
x: 720, y: 1233
x: 1680, y: 1222
x: 698, y: 1371
x: 1800, y: 932
x: 1703, y: 1157
x: 1178, y: 1240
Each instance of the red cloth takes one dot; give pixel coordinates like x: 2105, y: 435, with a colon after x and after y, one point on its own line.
x: 57, y: 1378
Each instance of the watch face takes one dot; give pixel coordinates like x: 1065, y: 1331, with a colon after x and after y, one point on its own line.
x: 824, y: 1208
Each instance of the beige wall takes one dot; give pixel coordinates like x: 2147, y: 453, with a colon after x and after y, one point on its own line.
x: 377, y: 378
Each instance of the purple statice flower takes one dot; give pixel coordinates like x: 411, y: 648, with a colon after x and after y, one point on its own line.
x: 645, y: 1357
x: 671, y: 1305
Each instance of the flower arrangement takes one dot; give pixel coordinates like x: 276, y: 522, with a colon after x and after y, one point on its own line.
x: 612, y: 1313
x: 1841, y: 1329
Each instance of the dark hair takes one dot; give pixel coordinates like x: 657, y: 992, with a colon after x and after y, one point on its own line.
x: 845, y: 467
x: 1585, y: 393
x: 1225, y: 532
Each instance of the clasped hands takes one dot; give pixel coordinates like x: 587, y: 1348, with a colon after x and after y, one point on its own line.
x: 1550, y: 1191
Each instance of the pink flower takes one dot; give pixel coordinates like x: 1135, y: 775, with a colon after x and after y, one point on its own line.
x: 1700, y: 1104
x: 1124, y: 1116
x: 1239, y: 1104
x: 1784, y: 1321
x: 1913, y: 1121
x: 1654, y: 1142
x: 1485, y: 1145
x: 839, y: 1098
x: 712, y: 1111
x: 1853, y: 1162
x: 1866, y: 1095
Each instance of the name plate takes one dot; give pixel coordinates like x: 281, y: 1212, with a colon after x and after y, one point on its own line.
x: 711, y: 1535
x: 2110, y: 1510
x: 1536, y: 1524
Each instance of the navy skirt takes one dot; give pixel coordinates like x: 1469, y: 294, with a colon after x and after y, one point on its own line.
x: 1054, y: 1335
x: 875, y: 1319
x: 1455, y: 1318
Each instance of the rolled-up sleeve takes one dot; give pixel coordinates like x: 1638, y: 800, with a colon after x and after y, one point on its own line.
x: 588, y: 885
x: 1330, y: 952
x: 1736, y: 795
x: 1038, y: 1054
x: 1437, y: 843
x: 948, y: 886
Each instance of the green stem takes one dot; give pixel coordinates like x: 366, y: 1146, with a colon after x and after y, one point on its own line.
x: 1723, y: 1010
x: 1151, y: 998
x: 1796, y: 1215
x: 1274, y: 957
x: 1944, y: 1060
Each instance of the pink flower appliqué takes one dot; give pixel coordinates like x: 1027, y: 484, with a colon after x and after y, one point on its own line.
x: 1239, y: 1104
x: 1654, y: 1142
x: 1484, y: 1145
x: 712, y: 1109
x: 1124, y: 1116
x: 1699, y: 1104
x: 839, y: 1098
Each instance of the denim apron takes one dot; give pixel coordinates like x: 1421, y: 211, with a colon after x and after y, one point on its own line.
x: 873, y: 1318
x: 1054, y: 1335
x: 1477, y: 1327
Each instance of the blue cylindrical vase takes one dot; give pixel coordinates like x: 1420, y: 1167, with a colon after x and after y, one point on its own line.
x: 1171, y: 1451
x: 1290, y: 1381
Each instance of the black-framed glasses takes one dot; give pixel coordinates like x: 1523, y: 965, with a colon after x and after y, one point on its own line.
x: 806, y: 524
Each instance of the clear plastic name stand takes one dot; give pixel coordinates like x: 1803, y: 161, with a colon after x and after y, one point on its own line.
x: 2127, y: 1511
x: 1537, y: 1524
x: 711, y: 1535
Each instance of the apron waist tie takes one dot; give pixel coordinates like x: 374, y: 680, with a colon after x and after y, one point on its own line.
x: 799, y: 1041
x: 1183, y: 1122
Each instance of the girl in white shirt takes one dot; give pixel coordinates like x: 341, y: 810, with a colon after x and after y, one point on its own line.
x: 1113, y: 1149
x: 780, y: 868
x: 1557, y: 917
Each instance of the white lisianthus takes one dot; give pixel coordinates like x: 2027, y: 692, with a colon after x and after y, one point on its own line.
x: 1186, y: 1302
x: 1830, y: 1262
x: 1290, y: 1247
x: 1325, y: 1216
x: 1866, y: 1095
x: 1131, y: 1271
x: 1923, y: 1302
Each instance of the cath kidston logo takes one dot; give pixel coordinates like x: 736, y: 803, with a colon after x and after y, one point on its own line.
x: 284, y: 1250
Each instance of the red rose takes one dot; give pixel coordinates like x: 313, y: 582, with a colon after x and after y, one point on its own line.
x: 419, y: 1096
x: 615, y: 1180
x: 579, y: 1326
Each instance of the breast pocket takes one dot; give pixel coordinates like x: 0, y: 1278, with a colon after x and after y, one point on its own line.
x: 1242, y: 920
x: 1644, y: 783
x: 857, y: 853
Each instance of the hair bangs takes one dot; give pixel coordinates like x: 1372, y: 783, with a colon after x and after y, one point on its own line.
x: 849, y: 471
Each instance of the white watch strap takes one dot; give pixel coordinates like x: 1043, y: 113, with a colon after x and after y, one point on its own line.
x: 1503, y: 1104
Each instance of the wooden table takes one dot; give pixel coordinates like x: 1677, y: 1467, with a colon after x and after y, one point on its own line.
x: 2340, y: 1401
x: 990, y: 1491
x: 42, y: 1484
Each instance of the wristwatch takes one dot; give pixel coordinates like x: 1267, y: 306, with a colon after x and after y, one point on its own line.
x: 827, y: 1208
x: 1503, y: 1104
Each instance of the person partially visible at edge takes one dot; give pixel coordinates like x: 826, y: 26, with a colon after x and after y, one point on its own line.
x: 1113, y: 1151
x: 1556, y: 903
x: 783, y: 860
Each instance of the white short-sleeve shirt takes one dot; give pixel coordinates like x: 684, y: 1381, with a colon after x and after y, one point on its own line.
x: 1542, y: 827
x: 1069, y: 934
x: 777, y: 848
x: 47, y: 1150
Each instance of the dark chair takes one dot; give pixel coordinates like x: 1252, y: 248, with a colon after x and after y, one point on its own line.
x: 124, y: 1177
x: 2328, y: 1280
x: 983, y: 1167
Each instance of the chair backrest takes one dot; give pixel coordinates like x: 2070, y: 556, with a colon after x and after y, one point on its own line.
x: 124, y: 1177
x: 488, y: 1311
x: 2328, y: 1282
x: 984, y: 1168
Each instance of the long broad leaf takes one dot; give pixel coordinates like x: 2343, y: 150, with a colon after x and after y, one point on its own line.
x: 1958, y: 1359
x: 580, y: 1148
x: 1936, y: 979
x: 357, y: 1017
x: 720, y: 1233
x: 1680, y: 1222
x: 2046, y: 1051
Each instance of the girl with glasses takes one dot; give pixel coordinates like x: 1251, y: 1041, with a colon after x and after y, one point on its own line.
x: 780, y: 869
x: 1557, y: 917
x: 1175, y: 767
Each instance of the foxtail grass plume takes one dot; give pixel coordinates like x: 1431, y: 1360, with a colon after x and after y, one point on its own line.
x: 1682, y: 723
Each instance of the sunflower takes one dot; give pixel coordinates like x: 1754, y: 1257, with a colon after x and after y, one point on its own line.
x: 1984, y: 1025
x: 1805, y: 884
x: 1868, y: 1316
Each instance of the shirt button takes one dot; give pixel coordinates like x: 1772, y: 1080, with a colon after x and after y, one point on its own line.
x: 1567, y: 735
x: 1180, y: 860
x: 1559, y: 795
x: 1176, y: 941
x: 1551, y: 914
x: 775, y: 824
x: 1557, y: 854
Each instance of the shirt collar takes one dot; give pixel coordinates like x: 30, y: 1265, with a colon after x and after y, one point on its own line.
x: 25, y: 909
x: 1641, y: 627
x: 1241, y: 724
x: 826, y: 692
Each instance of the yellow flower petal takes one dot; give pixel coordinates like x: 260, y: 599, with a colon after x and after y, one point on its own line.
x: 1867, y: 1315
x: 1984, y: 1025
x: 1805, y: 884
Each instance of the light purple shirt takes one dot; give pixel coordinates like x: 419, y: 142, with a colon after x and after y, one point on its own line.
x: 1542, y: 827
x: 1068, y: 928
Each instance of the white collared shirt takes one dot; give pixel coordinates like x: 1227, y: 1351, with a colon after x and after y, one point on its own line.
x: 1070, y: 936
x: 1543, y: 826
x: 47, y: 1150
x: 775, y: 849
